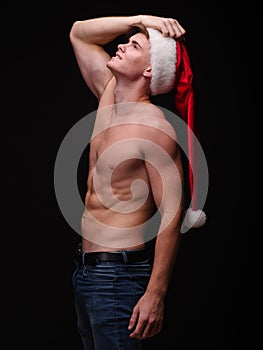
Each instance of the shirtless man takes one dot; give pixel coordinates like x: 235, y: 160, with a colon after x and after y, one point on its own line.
x: 134, y: 168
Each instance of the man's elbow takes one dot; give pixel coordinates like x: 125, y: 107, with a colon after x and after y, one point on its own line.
x: 75, y: 30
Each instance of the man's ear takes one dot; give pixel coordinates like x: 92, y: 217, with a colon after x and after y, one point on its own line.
x: 148, y: 72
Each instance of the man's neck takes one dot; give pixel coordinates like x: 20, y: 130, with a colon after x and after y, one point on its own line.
x: 127, y: 91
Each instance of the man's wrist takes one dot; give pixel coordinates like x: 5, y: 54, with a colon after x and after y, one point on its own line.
x: 156, y: 291
x: 138, y: 19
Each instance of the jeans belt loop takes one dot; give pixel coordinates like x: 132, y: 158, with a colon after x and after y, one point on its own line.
x: 83, y: 258
x: 125, y: 257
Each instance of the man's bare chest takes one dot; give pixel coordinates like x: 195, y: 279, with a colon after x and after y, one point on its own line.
x: 117, y: 146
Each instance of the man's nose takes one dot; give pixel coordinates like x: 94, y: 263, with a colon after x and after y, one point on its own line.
x: 122, y: 47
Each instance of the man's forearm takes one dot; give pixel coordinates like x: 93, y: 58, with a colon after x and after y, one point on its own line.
x: 103, y: 30
x: 166, y: 248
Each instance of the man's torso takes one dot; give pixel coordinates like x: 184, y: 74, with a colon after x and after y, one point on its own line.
x: 119, y: 200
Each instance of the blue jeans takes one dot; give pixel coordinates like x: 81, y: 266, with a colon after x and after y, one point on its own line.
x: 105, y: 295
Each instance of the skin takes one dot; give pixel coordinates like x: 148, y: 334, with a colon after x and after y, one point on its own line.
x: 123, y: 149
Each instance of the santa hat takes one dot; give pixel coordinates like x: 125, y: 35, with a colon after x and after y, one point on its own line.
x: 171, y: 69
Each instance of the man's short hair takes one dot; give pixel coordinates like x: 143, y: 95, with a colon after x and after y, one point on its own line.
x: 135, y: 29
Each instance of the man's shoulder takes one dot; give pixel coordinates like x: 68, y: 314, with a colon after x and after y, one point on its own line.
x: 159, y: 123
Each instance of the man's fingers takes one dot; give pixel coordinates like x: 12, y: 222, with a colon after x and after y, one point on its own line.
x: 146, y: 329
x: 133, y: 319
x: 180, y: 28
x: 167, y: 26
x: 139, y: 329
x: 151, y: 330
x: 172, y: 28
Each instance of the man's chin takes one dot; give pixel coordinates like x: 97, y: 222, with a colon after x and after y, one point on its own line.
x: 109, y: 63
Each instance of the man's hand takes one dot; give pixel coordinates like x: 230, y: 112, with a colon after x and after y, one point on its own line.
x: 147, y: 317
x: 167, y: 26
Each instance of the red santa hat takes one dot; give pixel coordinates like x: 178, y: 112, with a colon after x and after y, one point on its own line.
x: 171, y: 69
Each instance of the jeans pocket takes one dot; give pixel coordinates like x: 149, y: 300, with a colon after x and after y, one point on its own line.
x: 140, y: 274
x: 143, y: 268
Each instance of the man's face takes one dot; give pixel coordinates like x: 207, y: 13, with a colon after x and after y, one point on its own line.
x: 132, y: 58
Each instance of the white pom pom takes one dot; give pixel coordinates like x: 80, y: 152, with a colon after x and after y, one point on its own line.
x: 193, y: 218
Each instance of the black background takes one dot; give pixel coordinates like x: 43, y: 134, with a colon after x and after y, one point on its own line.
x: 213, y: 298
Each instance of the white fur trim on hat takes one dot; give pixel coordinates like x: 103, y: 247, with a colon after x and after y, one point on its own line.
x: 163, y: 62
x: 193, y: 218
